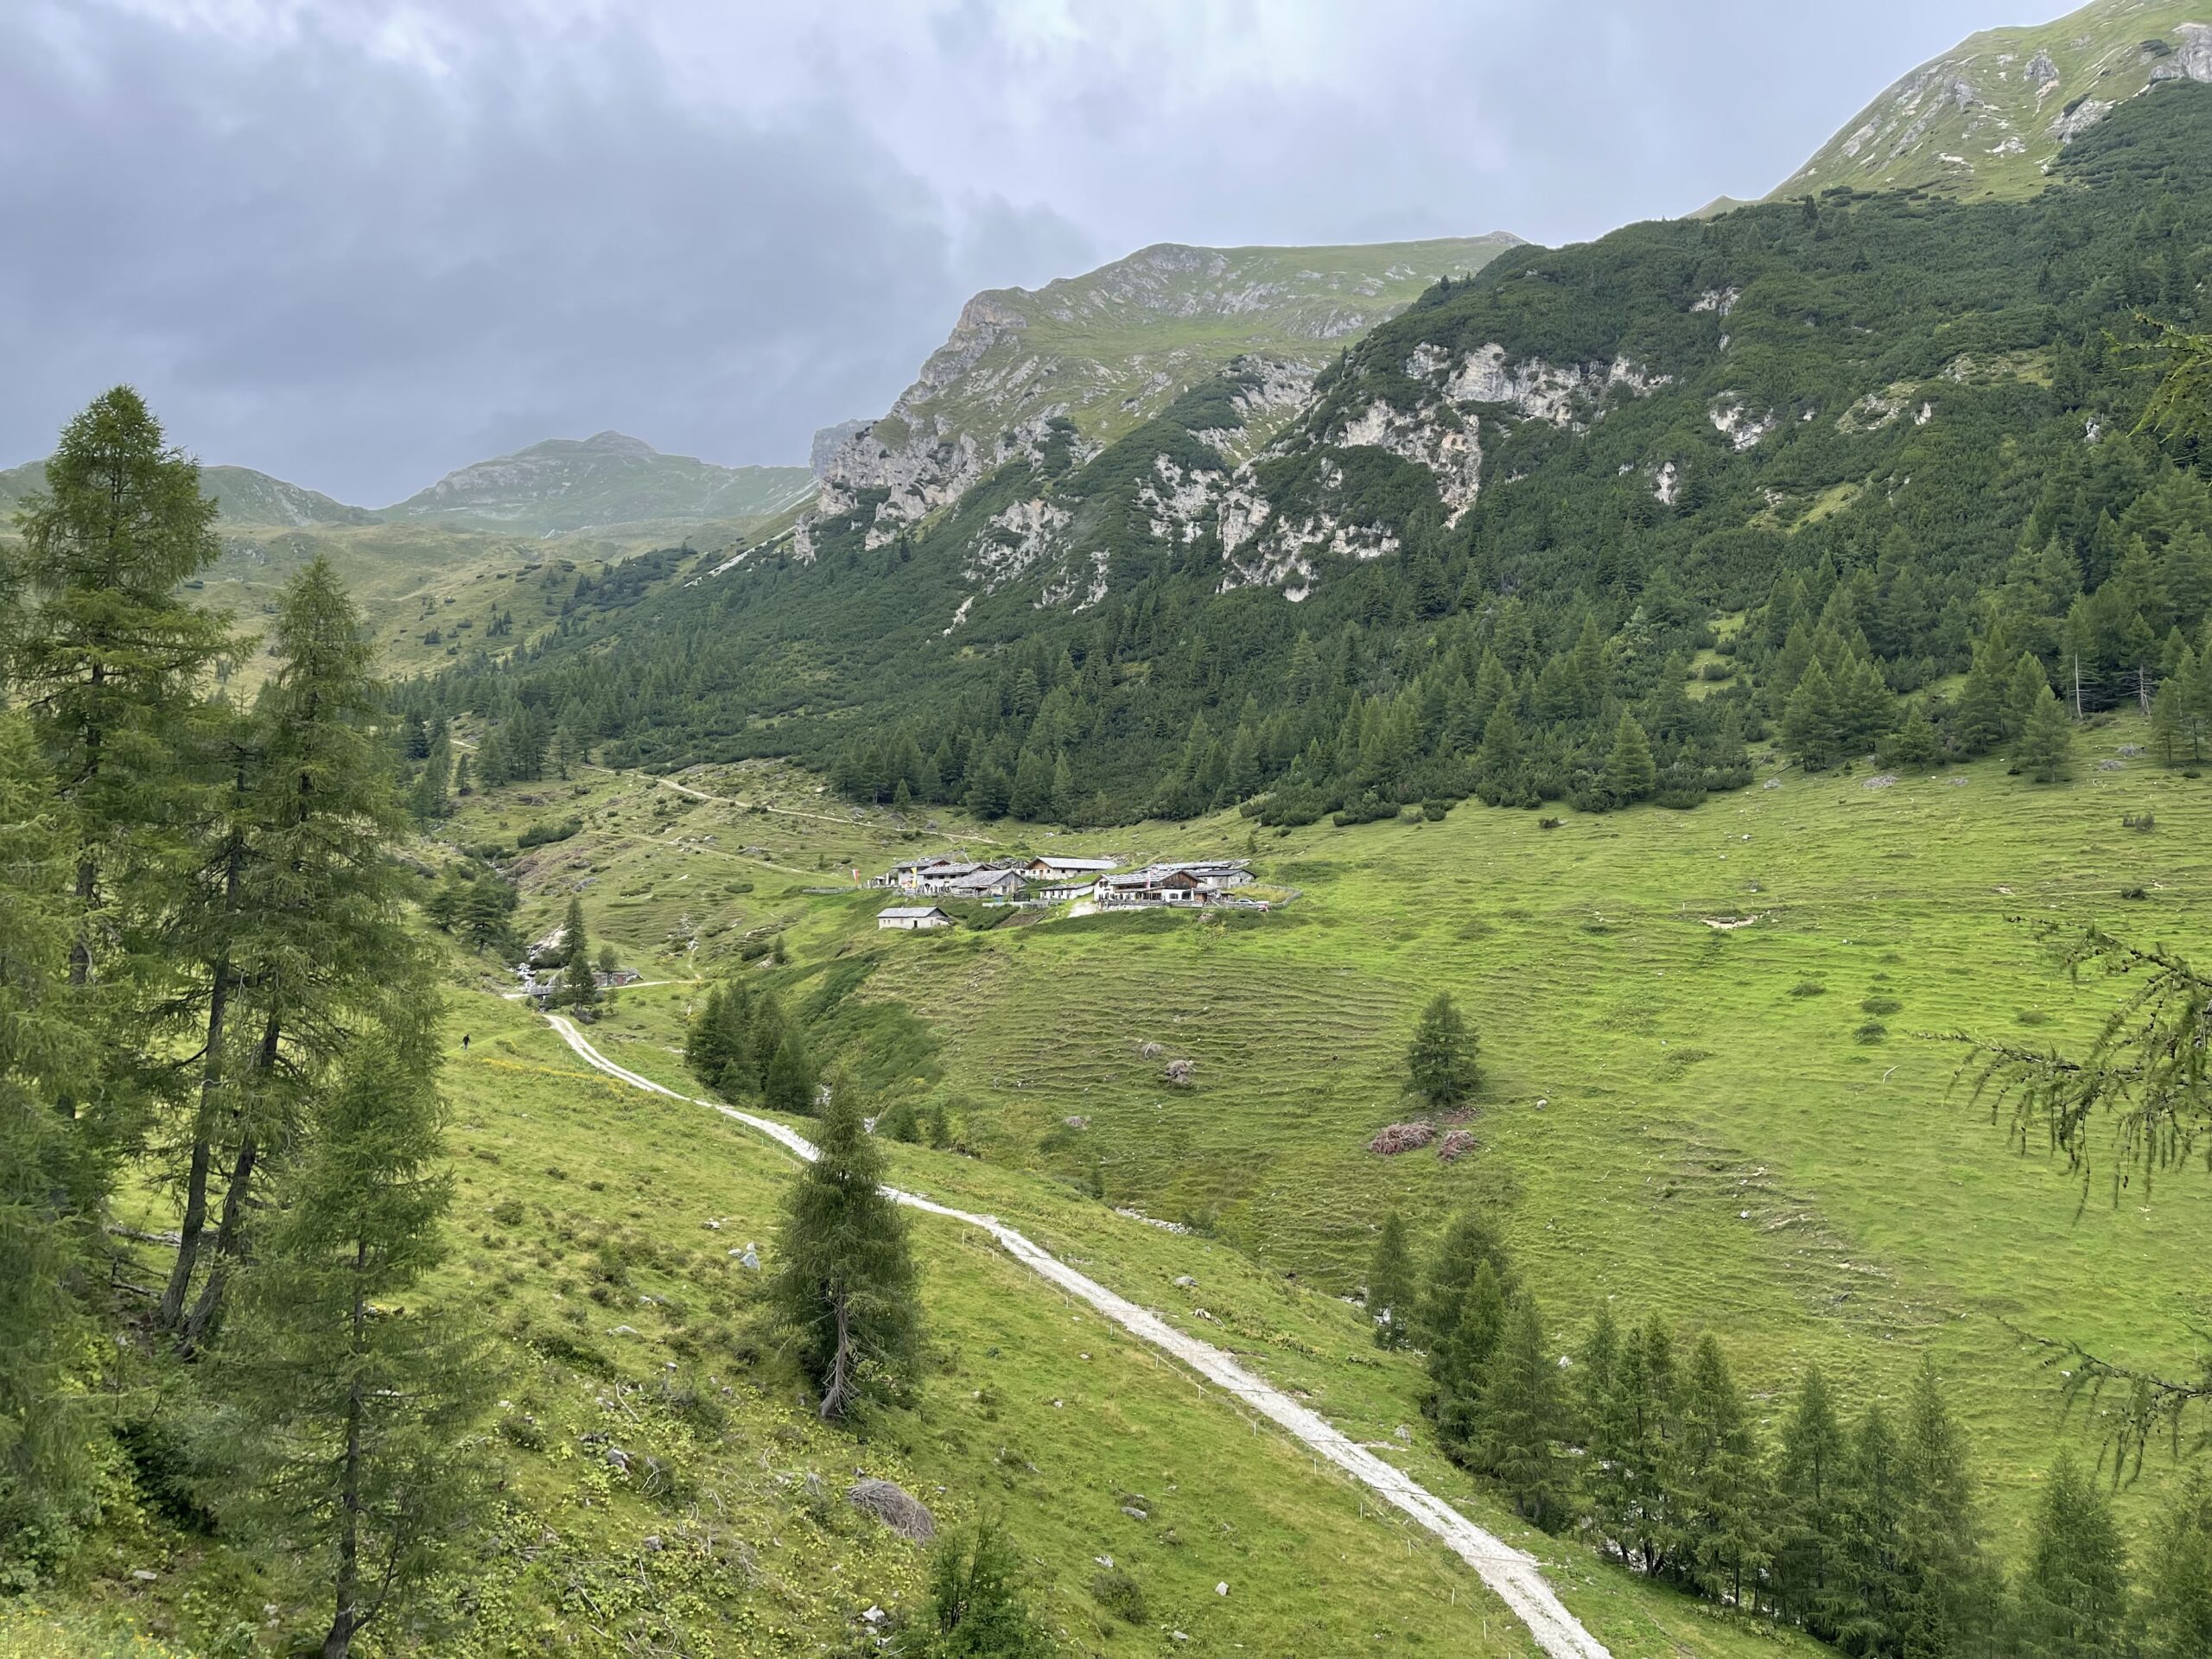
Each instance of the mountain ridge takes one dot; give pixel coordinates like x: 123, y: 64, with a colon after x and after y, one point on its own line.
x: 1991, y: 115
x: 1060, y: 369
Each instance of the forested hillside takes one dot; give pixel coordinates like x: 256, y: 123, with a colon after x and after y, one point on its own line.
x: 1580, y: 528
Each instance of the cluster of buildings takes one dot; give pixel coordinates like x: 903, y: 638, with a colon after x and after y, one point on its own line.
x: 1050, y: 880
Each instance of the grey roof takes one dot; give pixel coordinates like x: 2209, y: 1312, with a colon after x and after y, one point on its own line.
x: 909, y: 912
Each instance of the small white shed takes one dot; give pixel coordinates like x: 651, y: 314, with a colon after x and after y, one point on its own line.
x: 913, y: 917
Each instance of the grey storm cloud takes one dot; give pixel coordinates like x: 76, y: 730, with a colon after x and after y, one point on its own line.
x: 357, y: 244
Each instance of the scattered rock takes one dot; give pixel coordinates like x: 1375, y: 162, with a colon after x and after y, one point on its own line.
x: 653, y: 1542
x: 895, y: 1506
x: 1771, y: 783
x: 2111, y: 765
x: 616, y: 1458
x: 1956, y: 783
x: 144, y: 1574
x: 2129, y: 749
x: 1405, y: 1434
x: 1455, y: 1146
x: 1220, y: 1589
x: 1389, y: 1141
x: 1881, y: 780
x: 1179, y: 1073
x: 1186, y: 1281
x: 1149, y: 1051
x: 1075, y: 1121
x: 748, y: 1258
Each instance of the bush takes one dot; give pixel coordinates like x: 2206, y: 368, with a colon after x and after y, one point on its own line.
x: 545, y: 835
x: 1880, y: 1005
x: 1873, y: 1032
x: 1808, y: 988
x: 1119, y: 1594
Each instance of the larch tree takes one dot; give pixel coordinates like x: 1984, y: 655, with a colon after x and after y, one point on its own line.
x: 2073, y: 1587
x: 110, y: 664
x: 1440, y: 1061
x: 2044, y: 750
x: 50, y: 1176
x: 1720, y: 1482
x: 579, y: 989
x: 2178, y: 1599
x: 1390, y: 1285
x: 323, y: 951
x: 1631, y: 774
x: 1950, y: 1592
x: 354, y: 1402
x: 844, y: 1291
x: 1523, y: 1422
x: 1808, y: 1492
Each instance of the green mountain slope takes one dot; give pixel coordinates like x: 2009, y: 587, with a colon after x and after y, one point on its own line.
x: 566, y: 485
x: 244, y: 497
x: 1110, y: 349
x: 1652, y: 475
x: 1988, y: 117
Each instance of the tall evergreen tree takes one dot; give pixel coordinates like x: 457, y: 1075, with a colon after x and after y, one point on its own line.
x: 1810, y: 1476
x: 1523, y: 1420
x: 1390, y: 1285
x: 1869, y: 1605
x: 2045, y: 749
x: 313, y: 938
x: 844, y: 1287
x: 1440, y: 1061
x: 1457, y: 1365
x: 355, y: 1399
x: 1631, y: 1453
x: 974, y: 1609
x: 109, y: 660
x: 1720, y: 1489
x: 1631, y: 774
x: 1947, y: 1599
x: 2177, y: 1578
x: 579, y: 989
x: 1595, y: 1368
x: 1469, y: 1242
x: 49, y: 1175
x: 2072, y: 1588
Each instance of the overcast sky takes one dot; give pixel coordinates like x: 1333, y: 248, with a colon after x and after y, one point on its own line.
x: 358, y: 243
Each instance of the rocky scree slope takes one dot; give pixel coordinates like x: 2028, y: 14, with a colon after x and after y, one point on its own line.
x: 1989, y: 117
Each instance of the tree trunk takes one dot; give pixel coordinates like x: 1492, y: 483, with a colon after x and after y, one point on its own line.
x: 840, y: 1362
x: 346, y: 1616
x: 195, y: 1190
x: 229, y: 1232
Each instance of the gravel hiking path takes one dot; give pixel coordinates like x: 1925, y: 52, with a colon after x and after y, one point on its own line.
x: 1512, y: 1574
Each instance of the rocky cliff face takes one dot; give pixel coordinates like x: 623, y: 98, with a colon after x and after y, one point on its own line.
x: 1987, y: 118
x: 1017, y: 361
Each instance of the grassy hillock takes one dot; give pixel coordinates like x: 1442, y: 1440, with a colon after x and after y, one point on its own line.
x: 1718, y: 1083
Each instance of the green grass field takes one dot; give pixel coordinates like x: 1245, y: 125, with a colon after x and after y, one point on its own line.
x: 1683, y: 1118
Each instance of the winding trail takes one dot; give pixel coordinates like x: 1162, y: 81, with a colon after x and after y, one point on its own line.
x: 1513, y: 1574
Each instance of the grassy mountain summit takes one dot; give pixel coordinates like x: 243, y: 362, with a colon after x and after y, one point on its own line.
x: 1107, y: 351
x: 567, y: 483
x: 1988, y: 117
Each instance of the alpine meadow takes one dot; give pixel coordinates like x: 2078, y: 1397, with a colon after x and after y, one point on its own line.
x: 1434, y: 944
